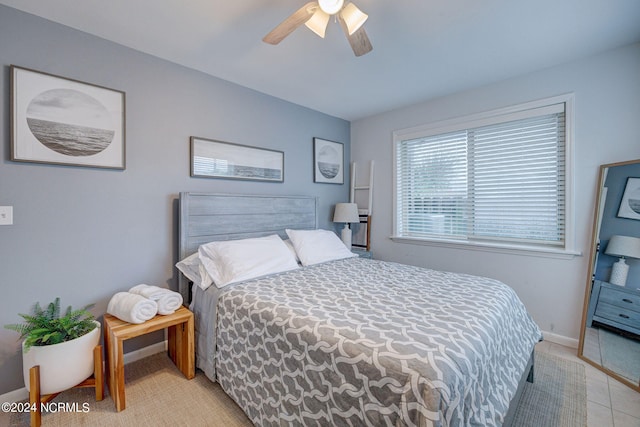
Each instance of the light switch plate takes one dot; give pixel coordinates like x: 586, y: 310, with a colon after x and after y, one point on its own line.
x: 6, y: 215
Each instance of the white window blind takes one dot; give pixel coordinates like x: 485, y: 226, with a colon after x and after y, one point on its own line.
x: 500, y: 180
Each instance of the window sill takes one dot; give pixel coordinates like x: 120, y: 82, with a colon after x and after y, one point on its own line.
x: 491, y: 247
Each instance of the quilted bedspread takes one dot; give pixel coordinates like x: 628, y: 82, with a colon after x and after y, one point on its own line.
x: 361, y: 342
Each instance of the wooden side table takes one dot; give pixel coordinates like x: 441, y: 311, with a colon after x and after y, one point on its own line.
x: 181, y: 346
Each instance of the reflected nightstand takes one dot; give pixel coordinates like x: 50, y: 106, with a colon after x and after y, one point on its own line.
x: 615, y: 306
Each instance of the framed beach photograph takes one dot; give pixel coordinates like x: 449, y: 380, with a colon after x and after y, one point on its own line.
x: 328, y: 161
x: 630, y: 203
x: 61, y: 121
x: 219, y: 159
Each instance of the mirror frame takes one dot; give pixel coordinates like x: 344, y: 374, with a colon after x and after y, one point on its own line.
x: 592, y: 254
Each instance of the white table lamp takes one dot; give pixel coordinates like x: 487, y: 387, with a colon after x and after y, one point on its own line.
x: 346, y: 212
x: 624, y: 247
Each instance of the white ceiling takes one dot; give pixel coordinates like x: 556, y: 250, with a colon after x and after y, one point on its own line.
x: 421, y: 49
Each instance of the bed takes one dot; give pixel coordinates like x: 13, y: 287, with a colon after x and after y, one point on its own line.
x: 352, y: 341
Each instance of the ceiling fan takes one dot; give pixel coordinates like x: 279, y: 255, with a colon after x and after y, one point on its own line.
x: 316, y: 15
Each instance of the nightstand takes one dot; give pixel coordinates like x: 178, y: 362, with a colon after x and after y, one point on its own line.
x: 616, y: 306
x: 180, y: 328
x: 362, y: 253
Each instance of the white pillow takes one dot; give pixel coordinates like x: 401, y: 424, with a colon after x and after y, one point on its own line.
x: 316, y: 246
x: 292, y: 249
x: 209, y: 264
x: 234, y: 261
x: 193, y: 270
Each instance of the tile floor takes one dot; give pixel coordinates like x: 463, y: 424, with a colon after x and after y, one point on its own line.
x: 609, y: 403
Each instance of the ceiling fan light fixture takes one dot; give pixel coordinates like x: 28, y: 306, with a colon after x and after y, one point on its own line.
x: 316, y: 15
x: 353, y: 17
x: 318, y: 22
x: 331, y: 7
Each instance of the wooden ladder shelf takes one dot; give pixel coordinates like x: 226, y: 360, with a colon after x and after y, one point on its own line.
x: 364, y: 211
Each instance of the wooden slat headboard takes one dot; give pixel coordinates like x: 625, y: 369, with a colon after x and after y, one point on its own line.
x: 208, y: 217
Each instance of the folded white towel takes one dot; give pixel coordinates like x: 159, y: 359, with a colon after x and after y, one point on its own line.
x: 132, y: 308
x: 168, y: 301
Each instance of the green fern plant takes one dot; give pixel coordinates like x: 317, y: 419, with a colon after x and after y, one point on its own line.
x: 46, y: 326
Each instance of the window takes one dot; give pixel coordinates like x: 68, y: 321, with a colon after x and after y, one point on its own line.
x: 497, y: 179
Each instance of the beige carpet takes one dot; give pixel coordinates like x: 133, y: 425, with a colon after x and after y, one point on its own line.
x: 158, y: 395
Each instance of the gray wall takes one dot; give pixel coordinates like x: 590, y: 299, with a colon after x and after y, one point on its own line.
x: 607, y: 108
x: 85, y: 233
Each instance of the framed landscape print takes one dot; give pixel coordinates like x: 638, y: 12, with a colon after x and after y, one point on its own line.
x: 630, y: 203
x: 62, y: 121
x: 219, y: 159
x: 328, y: 161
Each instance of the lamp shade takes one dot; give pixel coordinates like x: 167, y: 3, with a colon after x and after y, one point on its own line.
x: 353, y: 17
x: 318, y: 22
x: 346, y: 212
x: 624, y: 246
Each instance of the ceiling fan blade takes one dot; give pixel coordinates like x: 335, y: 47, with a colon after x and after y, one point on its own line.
x: 287, y: 26
x: 359, y: 40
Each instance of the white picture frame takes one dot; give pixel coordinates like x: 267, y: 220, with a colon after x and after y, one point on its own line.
x: 61, y: 121
x: 328, y: 161
x: 211, y: 158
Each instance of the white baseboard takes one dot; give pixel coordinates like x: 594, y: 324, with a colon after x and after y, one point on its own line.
x: 22, y: 393
x: 560, y: 339
x: 15, y: 395
x: 146, y: 352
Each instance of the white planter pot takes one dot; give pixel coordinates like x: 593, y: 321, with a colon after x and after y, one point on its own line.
x: 63, y: 365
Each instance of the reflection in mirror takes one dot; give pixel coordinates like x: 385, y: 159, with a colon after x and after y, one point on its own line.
x: 610, y: 334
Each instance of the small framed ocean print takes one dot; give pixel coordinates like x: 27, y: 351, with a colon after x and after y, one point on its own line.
x: 328, y: 161
x: 61, y: 121
x: 630, y: 203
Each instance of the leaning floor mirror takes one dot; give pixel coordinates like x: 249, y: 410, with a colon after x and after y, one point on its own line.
x: 610, y: 332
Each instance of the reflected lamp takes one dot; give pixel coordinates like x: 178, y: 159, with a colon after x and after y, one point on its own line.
x: 623, y: 247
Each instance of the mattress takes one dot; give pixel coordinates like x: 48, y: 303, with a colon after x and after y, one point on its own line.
x: 366, y: 342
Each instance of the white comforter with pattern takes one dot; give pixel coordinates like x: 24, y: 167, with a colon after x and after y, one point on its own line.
x: 361, y: 342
